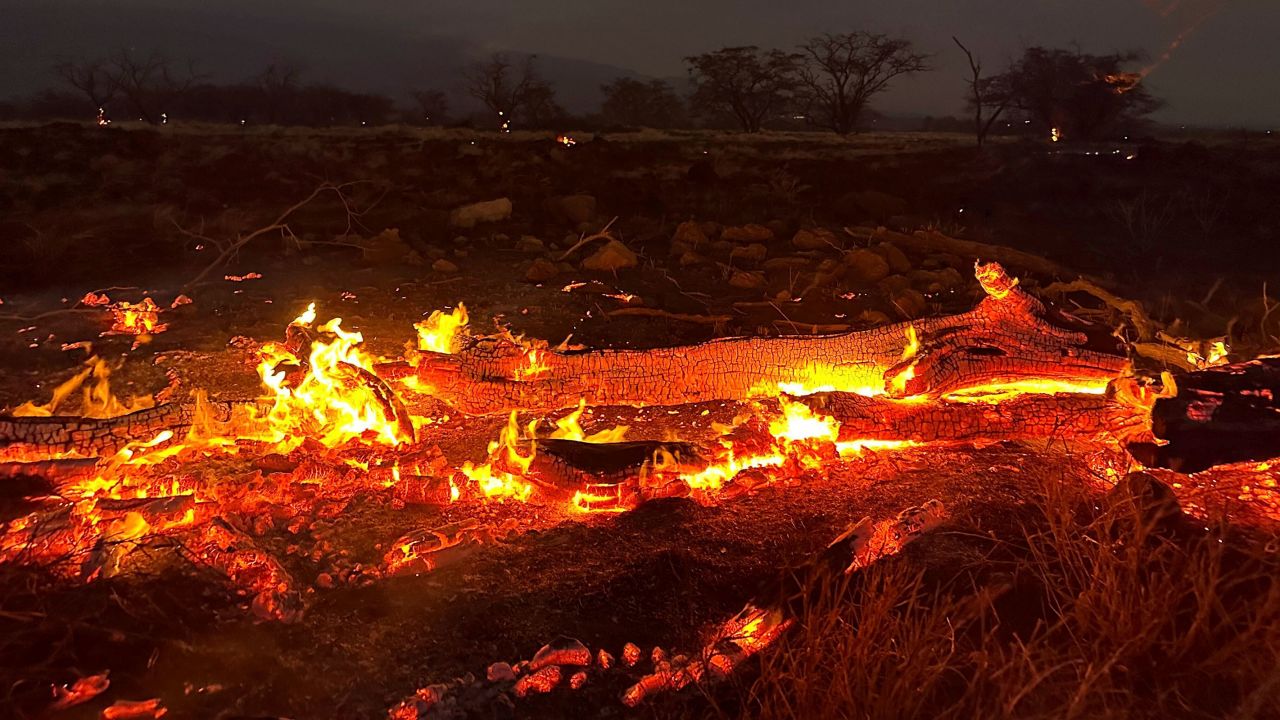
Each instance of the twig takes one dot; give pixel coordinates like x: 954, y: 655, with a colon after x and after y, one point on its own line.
x: 655, y: 312
x: 603, y: 234
x: 279, y: 224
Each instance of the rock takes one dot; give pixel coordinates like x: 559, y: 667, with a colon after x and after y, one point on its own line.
x: 575, y: 209
x: 897, y: 259
x: 894, y: 283
x: 541, y: 270
x: 747, y: 234
x: 744, y: 280
x: 816, y: 239
x: 612, y: 257
x: 755, y: 252
x: 866, y: 266
x: 468, y: 216
x: 388, y: 248
x: 788, y: 263
x: 950, y: 278
x: 530, y: 244
x: 444, y: 266
x: 691, y: 258
x: 909, y: 303
x: 690, y: 233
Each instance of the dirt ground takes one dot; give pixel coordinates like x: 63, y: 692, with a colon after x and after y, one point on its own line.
x: 1190, y: 229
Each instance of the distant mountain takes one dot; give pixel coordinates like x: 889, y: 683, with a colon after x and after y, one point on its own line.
x: 230, y: 45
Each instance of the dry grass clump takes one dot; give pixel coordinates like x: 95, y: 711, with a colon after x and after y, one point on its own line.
x: 1108, y: 608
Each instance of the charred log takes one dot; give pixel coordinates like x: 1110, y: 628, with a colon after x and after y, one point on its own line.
x: 1009, y: 337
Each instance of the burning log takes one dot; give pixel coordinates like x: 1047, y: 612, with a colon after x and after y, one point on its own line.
x: 1083, y: 417
x: 61, y: 436
x: 1008, y: 339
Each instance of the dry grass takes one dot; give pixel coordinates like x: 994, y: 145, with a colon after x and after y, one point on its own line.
x: 1096, y: 611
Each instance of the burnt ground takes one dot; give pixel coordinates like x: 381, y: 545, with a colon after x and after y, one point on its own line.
x: 89, y: 210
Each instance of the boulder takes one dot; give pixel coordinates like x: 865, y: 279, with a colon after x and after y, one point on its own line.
x: 744, y: 280
x: 468, y: 216
x: 866, y: 266
x: 909, y: 303
x: 816, y: 239
x: 755, y: 252
x: 612, y: 257
x: 541, y: 270
x: 689, y: 233
x: 530, y: 244
x: 747, y: 234
x: 897, y: 259
x: 444, y: 266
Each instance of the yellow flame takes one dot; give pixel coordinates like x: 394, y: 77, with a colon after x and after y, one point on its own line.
x: 441, y: 331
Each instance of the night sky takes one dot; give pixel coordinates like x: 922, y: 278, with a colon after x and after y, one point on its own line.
x: 1225, y: 72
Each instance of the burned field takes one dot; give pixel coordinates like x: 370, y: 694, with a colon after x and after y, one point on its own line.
x: 636, y: 425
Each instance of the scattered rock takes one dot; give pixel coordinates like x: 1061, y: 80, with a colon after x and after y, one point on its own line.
x: 816, y: 239
x: 755, y: 252
x: 909, y: 303
x: 388, y: 248
x: 744, y: 280
x: 500, y: 672
x: 790, y: 262
x: 444, y: 266
x: 894, y: 283
x: 897, y: 259
x: 468, y: 216
x: 747, y: 234
x: 689, y: 233
x: 866, y: 266
x: 691, y: 258
x: 612, y: 257
x: 530, y: 244
x: 574, y: 209
x: 541, y: 270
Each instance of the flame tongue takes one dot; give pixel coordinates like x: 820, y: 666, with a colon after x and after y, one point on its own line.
x: 332, y: 395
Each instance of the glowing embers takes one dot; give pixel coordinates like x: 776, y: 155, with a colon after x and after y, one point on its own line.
x: 324, y: 388
x: 141, y: 318
x: 97, y: 400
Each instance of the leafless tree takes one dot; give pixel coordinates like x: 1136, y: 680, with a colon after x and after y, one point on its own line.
x: 839, y: 74
x: 433, y: 105
x: 506, y: 90
x: 744, y: 82
x: 91, y: 78
x: 279, y: 84
x: 149, y: 83
x: 987, y: 97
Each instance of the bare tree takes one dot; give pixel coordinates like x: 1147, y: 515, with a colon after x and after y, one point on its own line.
x: 649, y: 104
x: 91, y: 78
x: 278, y: 84
x: 985, y: 93
x: 507, y: 91
x: 744, y: 82
x: 1081, y: 96
x: 149, y: 83
x: 840, y: 74
x: 433, y: 106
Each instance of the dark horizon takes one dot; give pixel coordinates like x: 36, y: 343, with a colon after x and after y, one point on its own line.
x: 1209, y: 60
